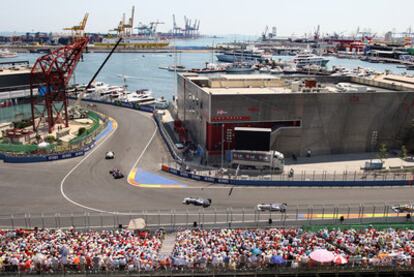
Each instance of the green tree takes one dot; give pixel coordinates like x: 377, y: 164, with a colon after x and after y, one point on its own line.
x: 81, y: 131
x: 382, y: 152
x: 50, y: 139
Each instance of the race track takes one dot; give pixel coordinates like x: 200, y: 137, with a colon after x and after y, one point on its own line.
x: 67, y: 186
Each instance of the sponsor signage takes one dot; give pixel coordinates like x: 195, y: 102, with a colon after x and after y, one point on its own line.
x: 230, y: 118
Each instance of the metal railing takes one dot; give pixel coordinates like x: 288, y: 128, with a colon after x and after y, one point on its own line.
x: 213, y: 218
x: 317, y: 271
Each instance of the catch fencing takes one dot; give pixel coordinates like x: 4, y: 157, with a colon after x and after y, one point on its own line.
x: 172, y: 220
x: 302, y: 178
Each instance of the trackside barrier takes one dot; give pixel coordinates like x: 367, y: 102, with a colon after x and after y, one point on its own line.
x: 293, y: 183
x: 50, y: 157
x: 171, y: 220
x: 170, y: 145
x: 143, y: 108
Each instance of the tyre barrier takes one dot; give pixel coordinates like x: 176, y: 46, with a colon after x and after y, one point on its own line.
x: 284, y: 183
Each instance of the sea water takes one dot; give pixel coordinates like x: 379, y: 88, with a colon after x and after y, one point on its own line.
x: 141, y: 70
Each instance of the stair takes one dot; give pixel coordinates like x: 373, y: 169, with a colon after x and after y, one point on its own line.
x: 168, y: 244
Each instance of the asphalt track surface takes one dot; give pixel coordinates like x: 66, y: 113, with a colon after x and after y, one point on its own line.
x: 67, y: 186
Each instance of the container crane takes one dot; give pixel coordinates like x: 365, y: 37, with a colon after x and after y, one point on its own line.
x: 264, y: 34
x: 120, y: 30
x: 78, y: 30
x: 125, y: 28
x: 130, y: 25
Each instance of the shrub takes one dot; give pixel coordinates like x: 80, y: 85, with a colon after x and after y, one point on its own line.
x: 81, y: 131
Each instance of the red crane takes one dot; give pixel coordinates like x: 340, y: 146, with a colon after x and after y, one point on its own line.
x: 49, y: 77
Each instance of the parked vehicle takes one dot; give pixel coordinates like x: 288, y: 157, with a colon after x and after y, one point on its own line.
x: 258, y: 159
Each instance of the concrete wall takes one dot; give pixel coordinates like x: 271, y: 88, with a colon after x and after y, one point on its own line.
x: 330, y: 122
x: 193, y: 109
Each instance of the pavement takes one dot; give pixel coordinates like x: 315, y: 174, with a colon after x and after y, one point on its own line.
x: 84, y: 184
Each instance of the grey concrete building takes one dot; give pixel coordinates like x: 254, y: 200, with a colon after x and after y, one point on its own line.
x: 328, y: 115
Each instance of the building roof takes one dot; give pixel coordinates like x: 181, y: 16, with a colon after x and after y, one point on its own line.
x: 235, y: 91
x: 255, y: 84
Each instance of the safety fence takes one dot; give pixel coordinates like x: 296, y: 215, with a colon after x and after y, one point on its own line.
x: 167, y: 139
x: 303, y: 178
x: 171, y: 220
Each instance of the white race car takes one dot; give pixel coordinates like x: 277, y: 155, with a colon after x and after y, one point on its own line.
x: 273, y: 207
x: 197, y: 201
x: 109, y: 155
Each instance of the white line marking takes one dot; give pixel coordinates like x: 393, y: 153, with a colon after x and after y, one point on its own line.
x: 148, y: 144
x: 87, y: 156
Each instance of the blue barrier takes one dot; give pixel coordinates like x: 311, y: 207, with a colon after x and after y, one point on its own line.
x: 47, y: 158
x: 286, y: 183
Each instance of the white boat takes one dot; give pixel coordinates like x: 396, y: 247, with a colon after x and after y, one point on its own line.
x: 304, y: 59
x: 265, y: 69
x: 97, y: 87
x: 161, y: 103
x: 140, y: 97
x: 290, y: 69
x: 6, y: 54
x: 276, y: 70
x: 240, y: 68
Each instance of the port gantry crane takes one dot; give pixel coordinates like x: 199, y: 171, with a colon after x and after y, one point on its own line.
x: 148, y: 29
x: 125, y: 28
x: 49, y: 78
x: 79, y: 30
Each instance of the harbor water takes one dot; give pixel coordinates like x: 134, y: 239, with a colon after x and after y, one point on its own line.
x: 141, y: 71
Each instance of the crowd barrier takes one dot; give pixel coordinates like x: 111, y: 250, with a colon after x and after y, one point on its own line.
x: 286, y: 183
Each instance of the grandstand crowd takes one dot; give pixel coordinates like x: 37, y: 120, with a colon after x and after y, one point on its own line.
x: 44, y: 250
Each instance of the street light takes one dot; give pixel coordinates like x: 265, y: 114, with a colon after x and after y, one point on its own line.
x: 222, y: 145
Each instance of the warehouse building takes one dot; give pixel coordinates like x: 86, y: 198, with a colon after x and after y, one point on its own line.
x: 326, y: 115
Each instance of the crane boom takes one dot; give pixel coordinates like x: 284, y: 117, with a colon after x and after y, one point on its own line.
x: 97, y: 72
x: 79, y: 29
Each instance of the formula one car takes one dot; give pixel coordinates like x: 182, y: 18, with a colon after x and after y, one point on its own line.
x: 403, y: 209
x: 109, y: 155
x: 273, y: 207
x: 205, y: 203
x: 116, y: 173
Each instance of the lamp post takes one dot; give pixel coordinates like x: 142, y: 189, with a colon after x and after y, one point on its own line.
x: 222, y: 145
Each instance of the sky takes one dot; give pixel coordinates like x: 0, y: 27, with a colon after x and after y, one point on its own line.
x: 217, y: 17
